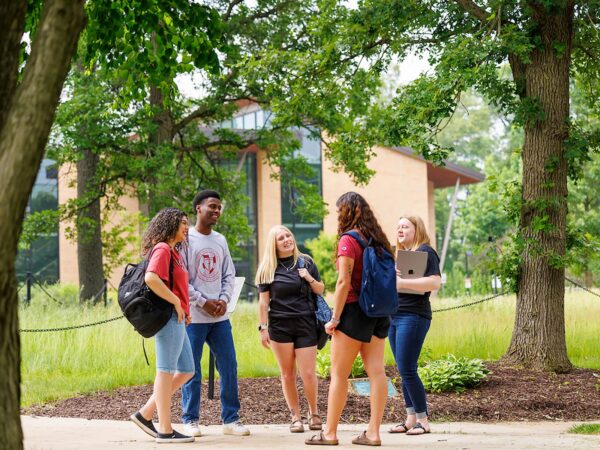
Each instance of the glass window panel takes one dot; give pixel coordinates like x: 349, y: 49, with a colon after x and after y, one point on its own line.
x: 260, y: 118
x: 249, y: 121
x: 238, y: 122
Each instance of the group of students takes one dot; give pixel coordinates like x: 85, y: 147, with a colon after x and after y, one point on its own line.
x: 287, y: 281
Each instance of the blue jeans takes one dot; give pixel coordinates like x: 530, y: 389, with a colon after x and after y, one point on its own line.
x: 407, y: 334
x: 220, y: 341
x: 173, y: 351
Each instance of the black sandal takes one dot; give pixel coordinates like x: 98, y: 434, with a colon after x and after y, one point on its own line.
x: 395, y: 430
x: 418, y: 426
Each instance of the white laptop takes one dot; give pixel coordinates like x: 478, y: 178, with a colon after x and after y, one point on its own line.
x: 411, y: 265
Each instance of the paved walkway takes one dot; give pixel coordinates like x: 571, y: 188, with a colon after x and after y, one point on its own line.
x: 46, y: 433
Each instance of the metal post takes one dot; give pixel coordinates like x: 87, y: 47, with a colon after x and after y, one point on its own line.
x: 449, y: 226
x: 211, y: 376
x: 105, y: 294
x: 29, y: 281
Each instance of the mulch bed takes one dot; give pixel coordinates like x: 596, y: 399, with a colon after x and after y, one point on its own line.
x: 509, y: 394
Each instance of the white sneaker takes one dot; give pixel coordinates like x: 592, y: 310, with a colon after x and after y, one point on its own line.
x: 192, y: 429
x: 235, y: 429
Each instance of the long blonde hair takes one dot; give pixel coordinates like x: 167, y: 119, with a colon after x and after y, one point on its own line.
x: 266, y: 268
x: 421, y: 236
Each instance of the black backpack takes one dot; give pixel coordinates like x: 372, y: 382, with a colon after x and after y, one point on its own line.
x: 145, y: 310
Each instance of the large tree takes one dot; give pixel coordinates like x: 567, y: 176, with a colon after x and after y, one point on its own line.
x: 28, y: 99
x: 542, y: 42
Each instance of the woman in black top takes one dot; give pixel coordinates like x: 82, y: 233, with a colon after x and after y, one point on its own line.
x: 411, y: 322
x: 286, y: 297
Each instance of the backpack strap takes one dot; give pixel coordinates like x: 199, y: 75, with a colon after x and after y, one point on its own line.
x: 357, y: 237
x: 171, y: 265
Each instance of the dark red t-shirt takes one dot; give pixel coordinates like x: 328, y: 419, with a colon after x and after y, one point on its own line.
x: 159, y: 264
x: 348, y: 246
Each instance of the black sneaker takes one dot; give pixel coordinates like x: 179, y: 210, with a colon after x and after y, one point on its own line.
x: 173, y: 438
x: 146, y: 425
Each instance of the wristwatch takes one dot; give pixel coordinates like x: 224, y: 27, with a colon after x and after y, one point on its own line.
x: 262, y: 326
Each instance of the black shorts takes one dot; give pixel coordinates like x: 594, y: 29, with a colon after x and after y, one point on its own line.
x: 355, y: 324
x: 302, y: 331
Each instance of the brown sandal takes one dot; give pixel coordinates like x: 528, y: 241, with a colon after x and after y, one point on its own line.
x: 314, y: 422
x: 362, y: 439
x: 319, y: 439
x: 297, y: 426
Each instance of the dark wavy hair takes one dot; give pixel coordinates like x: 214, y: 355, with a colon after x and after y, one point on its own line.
x: 162, y: 228
x: 355, y: 213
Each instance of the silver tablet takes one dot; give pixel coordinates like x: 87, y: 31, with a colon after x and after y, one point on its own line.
x: 411, y: 265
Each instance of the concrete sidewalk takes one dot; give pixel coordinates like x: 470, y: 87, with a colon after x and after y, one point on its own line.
x: 48, y: 433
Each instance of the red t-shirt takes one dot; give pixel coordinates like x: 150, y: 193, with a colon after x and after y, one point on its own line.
x: 348, y: 246
x: 159, y: 264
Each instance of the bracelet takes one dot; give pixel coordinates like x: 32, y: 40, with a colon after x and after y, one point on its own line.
x: 335, y: 321
x: 312, y: 281
x: 262, y: 326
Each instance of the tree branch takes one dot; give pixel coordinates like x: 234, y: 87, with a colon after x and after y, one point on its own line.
x: 475, y: 10
x: 230, y: 8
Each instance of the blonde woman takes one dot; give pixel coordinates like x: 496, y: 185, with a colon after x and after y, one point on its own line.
x: 287, y: 322
x: 410, y: 324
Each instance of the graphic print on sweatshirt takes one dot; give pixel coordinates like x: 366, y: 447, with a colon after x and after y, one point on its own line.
x: 208, y: 265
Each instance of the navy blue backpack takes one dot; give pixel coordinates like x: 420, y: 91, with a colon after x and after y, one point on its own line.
x: 378, y: 296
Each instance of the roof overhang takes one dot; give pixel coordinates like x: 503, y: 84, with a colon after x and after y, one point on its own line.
x: 445, y: 176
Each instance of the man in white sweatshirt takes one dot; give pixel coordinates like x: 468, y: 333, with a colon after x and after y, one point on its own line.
x: 212, y: 277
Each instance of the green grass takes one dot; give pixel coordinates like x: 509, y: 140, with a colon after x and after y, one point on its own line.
x: 585, y: 428
x: 61, y: 364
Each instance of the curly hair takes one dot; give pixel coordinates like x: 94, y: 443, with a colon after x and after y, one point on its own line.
x: 162, y: 228
x: 355, y: 213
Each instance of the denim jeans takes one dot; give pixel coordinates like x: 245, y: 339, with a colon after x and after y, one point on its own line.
x: 173, y: 351
x: 407, y: 334
x: 220, y: 340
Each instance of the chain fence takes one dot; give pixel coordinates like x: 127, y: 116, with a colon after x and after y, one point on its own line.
x: 101, y: 292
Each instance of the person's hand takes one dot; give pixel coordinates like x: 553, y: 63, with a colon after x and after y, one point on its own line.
x: 399, y: 280
x: 180, y: 312
x: 265, y: 339
x: 330, y: 327
x: 221, y: 308
x: 304, y: 274
x: 211, y: 307
x: 188, y: 319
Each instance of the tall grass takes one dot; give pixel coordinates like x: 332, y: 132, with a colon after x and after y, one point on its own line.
x: 61, y: 364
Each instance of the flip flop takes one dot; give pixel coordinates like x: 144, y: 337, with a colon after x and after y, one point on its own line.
x: 319, y: 439
x: 418, y: 426
x: 362, y: 439
x: 395, y: 429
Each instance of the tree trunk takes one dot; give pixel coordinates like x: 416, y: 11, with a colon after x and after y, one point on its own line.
x: 538, y: 339
x: 89, y: 239
x: 26, y: 118
x: 588, y: 279
x: 162, y: 134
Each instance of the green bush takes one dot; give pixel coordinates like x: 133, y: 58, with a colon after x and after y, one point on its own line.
x: 323, y: 364
x: 321, y: 250
x: 323, y: 368
x: 452, y: 374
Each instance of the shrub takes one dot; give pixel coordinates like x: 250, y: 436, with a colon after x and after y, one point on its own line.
x: 321, y: 250
x: 323, y: 368
x: 452, y: 374
x: 323, y: 364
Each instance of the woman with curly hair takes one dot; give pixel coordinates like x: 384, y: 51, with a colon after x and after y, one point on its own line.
x: 352, y: 331
x: 167, y: 277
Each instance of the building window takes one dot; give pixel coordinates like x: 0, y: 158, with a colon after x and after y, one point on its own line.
x: 311, y: 150
x: 41, y: 258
